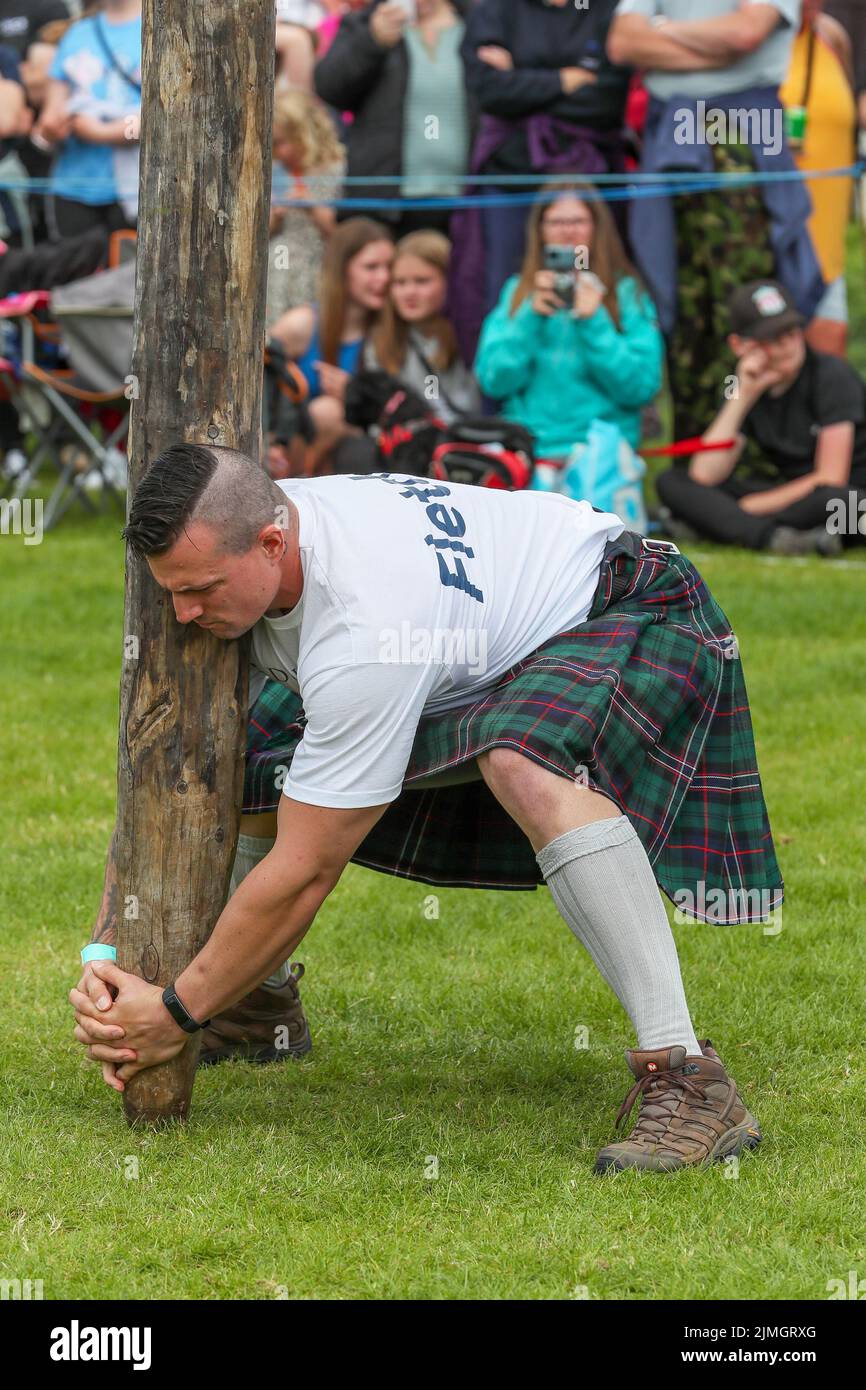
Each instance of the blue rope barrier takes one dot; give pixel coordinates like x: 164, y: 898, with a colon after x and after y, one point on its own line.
x: 615, y: 188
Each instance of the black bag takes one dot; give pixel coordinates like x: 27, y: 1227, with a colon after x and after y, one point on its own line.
x: 482, y: 450
x: 486, y: 451
x: 284, y: 398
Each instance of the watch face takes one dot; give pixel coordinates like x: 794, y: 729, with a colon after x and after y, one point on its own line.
x: 178, y: 1011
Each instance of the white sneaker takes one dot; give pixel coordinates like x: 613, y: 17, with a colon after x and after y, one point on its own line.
x: 13, y: 465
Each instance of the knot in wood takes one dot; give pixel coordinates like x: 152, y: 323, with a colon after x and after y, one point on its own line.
x: 150, y: 963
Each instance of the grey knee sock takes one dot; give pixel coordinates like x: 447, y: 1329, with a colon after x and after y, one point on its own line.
x: 601, y: 881
x: 251, y: 851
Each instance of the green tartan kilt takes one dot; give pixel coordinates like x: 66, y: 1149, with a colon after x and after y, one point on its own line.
x: 645, y: 702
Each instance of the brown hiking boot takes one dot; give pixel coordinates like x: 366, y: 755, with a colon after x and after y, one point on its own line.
x: 268, y: 1025
x: 691, y: 1114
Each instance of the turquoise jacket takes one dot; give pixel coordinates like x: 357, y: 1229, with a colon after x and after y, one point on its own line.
x: 556, y: 375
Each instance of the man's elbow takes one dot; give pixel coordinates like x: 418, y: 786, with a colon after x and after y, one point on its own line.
x: 303, y: 892
x: 751, y: 31
x: 695, y: 475
x: 620, y: 44
x: 838, y: 478
x: 698, y: 471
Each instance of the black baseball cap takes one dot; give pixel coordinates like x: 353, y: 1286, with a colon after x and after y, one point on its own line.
x: 763, y: 309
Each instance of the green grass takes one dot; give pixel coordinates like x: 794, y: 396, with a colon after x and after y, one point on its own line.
x: 449, y: 1038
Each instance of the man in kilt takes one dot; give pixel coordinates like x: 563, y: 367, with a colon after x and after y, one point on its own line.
x: 471, y: 688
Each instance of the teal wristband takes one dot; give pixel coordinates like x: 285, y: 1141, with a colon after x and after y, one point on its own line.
x: 98, y: 950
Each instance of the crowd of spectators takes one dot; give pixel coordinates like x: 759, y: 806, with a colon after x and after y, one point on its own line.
x: 557, y: 303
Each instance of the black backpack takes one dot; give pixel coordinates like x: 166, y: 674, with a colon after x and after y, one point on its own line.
x: 485, y: 451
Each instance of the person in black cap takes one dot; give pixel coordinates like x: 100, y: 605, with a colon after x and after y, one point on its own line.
x: 802, y: 416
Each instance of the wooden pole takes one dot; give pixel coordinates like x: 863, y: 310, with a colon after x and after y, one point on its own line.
x: 207, y: 101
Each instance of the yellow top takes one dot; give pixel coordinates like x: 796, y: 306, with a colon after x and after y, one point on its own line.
x: 829, y: 144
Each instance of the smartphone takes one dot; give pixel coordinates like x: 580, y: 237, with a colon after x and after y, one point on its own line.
x: 561, y: 260
x: 410, y: 8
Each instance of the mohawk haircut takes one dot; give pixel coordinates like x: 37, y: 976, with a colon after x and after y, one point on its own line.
x: 223, y: 489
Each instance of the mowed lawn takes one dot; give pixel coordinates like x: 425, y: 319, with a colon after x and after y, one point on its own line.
x: 439, y: 1141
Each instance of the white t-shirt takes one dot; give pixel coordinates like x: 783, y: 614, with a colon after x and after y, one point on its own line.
x: 417, y: 597
x: 765, y: 67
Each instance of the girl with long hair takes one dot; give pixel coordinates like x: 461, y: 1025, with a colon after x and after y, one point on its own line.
x: 565, y: 347
x: 327, y: 339
x: 413, y: 339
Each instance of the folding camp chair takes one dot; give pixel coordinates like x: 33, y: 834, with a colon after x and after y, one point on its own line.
x: 80, y: 413
x: 66, y: 415
x: 29, y: 333
x: 96, y: 459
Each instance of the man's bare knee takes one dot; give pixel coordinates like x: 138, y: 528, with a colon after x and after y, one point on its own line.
x: 544, y: 804
x: 506, y: 771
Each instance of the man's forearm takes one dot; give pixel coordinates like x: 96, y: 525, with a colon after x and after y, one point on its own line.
x: 726, y: 38
x: 258, y: 929
x: 693, y: 39
x: 96, y: 132
x: 634, y: 42
x: 714, y: 467
x: 776, y: 499
x: 105, y: 928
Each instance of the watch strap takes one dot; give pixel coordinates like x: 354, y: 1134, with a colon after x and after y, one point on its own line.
x: 179, y: 1012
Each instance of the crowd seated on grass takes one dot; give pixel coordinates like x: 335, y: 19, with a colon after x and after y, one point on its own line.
x: 413, y: 338
x: 557, y: 305
x: 798, y: 417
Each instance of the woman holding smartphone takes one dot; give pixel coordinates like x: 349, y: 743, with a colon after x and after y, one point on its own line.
x: 574, y: 337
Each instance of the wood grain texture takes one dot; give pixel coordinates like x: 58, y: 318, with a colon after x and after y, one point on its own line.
x: 207, y: 99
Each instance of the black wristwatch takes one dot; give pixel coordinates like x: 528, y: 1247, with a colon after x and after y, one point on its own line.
x: 179, y: 1012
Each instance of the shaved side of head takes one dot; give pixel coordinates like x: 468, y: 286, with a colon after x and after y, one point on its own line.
x: 223, y: 489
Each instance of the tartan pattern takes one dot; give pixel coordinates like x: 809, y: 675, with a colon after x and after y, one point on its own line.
x: 645, y: 701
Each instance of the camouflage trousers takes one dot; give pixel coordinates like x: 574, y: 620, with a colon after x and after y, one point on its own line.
x: 723, y: 240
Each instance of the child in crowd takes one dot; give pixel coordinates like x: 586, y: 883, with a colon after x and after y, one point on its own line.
x: 327, y: 338
x: 805, y: 412
x: 93, y: 107
x: 306, y: 148
x: 413, y: 340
